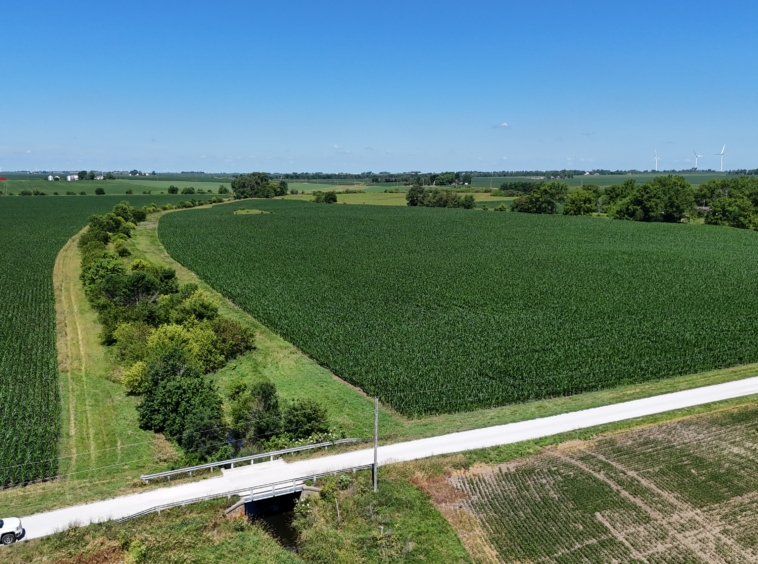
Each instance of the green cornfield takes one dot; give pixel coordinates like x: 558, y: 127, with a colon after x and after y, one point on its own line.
x: 438, y: 310
x: 33, y: 231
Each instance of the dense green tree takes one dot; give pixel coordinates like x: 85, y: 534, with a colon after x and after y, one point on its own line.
x: 253, y: 185
x: 82, y: 175
x: 254, y: 411
x: 580, y: 202
x: 204, y: 431
x: 188, y: 190
x: 468, y: 202
x: 91, y: 175
x: 304, y: 417
x: 330, y: 197
x: 99, y: 191
x: 665, y: 198
x: 414, y: 195
x: 543, y: 199
x: 222, y: 189
x: 110, y: 176
x: 173, y: 189
x: 737, y: 211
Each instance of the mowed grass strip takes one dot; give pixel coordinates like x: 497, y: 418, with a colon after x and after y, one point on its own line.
x: 438, y: 310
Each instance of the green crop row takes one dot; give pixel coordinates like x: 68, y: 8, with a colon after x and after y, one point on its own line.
x: 438, y: 310
x: 33, y: 231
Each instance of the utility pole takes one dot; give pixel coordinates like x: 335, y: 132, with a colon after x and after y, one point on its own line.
x: 376, y: 440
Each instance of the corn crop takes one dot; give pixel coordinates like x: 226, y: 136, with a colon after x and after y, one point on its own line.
x: 438, y: 310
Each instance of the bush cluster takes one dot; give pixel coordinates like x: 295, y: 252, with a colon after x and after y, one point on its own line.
x: 438, y: 198
x: 325, y: 197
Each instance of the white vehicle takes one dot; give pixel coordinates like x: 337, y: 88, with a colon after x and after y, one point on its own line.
x: 11, y: 530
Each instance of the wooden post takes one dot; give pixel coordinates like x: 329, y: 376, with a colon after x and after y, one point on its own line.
x: 376, y: 440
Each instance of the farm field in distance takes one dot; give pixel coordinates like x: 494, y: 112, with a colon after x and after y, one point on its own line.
x: 439, y: 310
x: 603, y: 180
x: 677, y: 492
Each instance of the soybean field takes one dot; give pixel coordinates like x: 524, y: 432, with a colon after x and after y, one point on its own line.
x: 681, y: 492
x: 440, y: 310
x: 33, y: 231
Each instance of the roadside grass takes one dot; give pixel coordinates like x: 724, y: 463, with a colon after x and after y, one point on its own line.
x: 199, y: 533
x: 347, y: 522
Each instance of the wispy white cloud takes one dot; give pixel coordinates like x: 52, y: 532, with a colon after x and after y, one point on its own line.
x: 501, y: 125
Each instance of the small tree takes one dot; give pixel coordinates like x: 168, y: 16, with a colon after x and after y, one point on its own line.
x: 330, y: 197
x: 82, y: 175
x: 222, y: 189
x: 100, y: 191
x: 173, y: 189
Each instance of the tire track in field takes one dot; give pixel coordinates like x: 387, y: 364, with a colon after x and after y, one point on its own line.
x: 64, y: 342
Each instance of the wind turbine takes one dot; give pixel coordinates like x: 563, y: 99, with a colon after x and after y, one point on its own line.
x: 656, y: 159
x: 697, y: 157
x: 721, y: 154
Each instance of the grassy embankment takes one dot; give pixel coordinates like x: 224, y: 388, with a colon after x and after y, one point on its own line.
x: 198, y: 533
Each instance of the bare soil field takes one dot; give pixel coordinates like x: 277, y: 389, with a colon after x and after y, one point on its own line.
x: 684, y: 491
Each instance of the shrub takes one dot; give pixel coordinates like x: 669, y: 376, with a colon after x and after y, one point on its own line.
x: 99, y: 191
x: 198, y: 306
x: 25, y: 193
x: 135, y: 380
x: 234, y: 338
x: 305, y: 417
x: 222, y: 189
x: 119, y: 245
x: 131, y: 341
x: 188, y: 190
x: 82, y: 193
x: 173, y: 189
x: 129, y: 191
x: 502, y: 207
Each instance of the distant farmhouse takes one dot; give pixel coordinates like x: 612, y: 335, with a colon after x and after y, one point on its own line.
x: 72, y: 177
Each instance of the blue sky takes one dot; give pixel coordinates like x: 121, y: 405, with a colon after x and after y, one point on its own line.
x: 357, y: 86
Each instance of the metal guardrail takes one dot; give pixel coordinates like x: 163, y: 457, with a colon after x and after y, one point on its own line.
x: 254, y: 492
x: 251, y: 458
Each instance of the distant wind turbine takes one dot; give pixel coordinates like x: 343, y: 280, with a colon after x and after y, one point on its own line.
x: 656, y: 159
x: 721, y: 154
x: 696, y: 157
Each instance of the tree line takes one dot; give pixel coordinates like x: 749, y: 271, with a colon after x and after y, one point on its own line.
x: 731, y: 201
x: 169, y: 336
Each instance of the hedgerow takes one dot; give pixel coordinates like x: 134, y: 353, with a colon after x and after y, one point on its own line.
x: 439, y: 310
